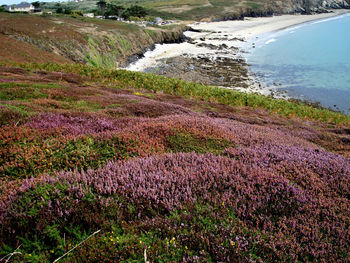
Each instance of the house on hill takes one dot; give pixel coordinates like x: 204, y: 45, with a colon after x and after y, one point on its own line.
x: 158, y: 20
x: 92, y: 15
x: 22, y: 7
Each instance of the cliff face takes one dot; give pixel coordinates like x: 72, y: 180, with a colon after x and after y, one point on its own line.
x: 65, y: 39
x: 309, y: 6
x: 271, y: 7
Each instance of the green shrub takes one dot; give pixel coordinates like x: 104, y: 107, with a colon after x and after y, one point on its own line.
x: 76, y: 13
x: 181, y: 142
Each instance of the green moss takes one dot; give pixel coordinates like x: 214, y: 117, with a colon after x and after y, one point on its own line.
x: 85, y: 105
x: 20, y: 109
x: 124, y: 44
x: 32, y: 201
x: 181, y: 142
x: 115, y: 105
x: 149, y: 32
x: 97, y: 58
x: 53, y: 154
x: 24, y: 91
x: 88, y: 152
x: 253, y: 5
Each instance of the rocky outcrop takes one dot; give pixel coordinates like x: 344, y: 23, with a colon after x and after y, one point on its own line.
x: 273, y: 7
x: 314, y: 6
x: 335, y: 3
x: 310, y: 6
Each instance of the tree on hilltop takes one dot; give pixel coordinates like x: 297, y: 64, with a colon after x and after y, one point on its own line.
x: 36, y: 4
x: 102, y: 6
x: 135, y: 10
x: 114, y: 10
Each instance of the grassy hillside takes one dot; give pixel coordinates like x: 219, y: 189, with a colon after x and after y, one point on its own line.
x: 203, y: 9
x: 65, y: 38
x: 166, y: 170
x: 186, y: 10
x: 224, y: 9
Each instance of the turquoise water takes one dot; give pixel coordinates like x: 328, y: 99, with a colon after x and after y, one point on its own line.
x: 310, y: 61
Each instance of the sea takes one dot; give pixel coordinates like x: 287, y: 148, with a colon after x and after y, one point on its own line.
x: 310, y: 61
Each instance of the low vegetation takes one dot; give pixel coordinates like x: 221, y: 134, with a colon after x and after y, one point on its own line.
x: 165, y: 170
x: 73, y: 38
x: 189, y: 9
x: 155, y: 83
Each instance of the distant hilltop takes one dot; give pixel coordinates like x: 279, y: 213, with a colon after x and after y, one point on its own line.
x: 198, y: 10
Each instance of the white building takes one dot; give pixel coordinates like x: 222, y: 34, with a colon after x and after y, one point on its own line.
x: 89, y: 15
x: 22, y: 7
x: 158, y: 20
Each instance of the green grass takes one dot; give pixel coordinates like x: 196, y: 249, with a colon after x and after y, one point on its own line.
x: 155, y: 83
x: 181, y: 142
x: 253, y: 5
x: 55, y: 154
x: 23, y: 91
x: 129, y: 240
x: 171, y: 9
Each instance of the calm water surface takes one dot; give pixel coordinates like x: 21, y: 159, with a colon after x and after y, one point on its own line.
x: 310, y: 61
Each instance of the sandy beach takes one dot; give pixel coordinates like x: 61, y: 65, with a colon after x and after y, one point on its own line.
x: 217, y: 53
x: 251, y: 27
x: 233, y: 34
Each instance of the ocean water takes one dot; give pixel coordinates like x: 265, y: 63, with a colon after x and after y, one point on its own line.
x: 310, y: 61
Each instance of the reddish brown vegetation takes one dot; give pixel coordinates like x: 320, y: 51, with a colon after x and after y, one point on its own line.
x: 230, y: 183
x: 19, y: 51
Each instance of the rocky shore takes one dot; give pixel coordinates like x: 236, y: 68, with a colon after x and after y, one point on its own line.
x: 215, y: 53
x: 218, y: 71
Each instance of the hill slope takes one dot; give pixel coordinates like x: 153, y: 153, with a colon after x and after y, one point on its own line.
x: 220, y: 9
x: 166, y: 169
x: 64, y: 38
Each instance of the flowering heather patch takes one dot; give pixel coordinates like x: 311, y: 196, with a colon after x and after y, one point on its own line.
x: 153, y: 108
x: 54, y: 141
x: 313, y: 169
x: 236, y: 185
x: 238, y: 133
x: 295, y: 222
x: 75, y: 125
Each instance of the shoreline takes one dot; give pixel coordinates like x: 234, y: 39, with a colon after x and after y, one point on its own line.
x: 243, y: 31
x: 254, y: 26
x: 253, y: 30
x: 217, y: 52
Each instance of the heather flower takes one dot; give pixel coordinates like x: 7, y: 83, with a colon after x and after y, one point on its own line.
x: 260, y: 196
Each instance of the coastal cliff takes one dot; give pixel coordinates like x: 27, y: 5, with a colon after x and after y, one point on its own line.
x: 66, y: 39
x: 270, y: 7
x: 111, y: 44
x: 310, y: 6
x: 213, y: 10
